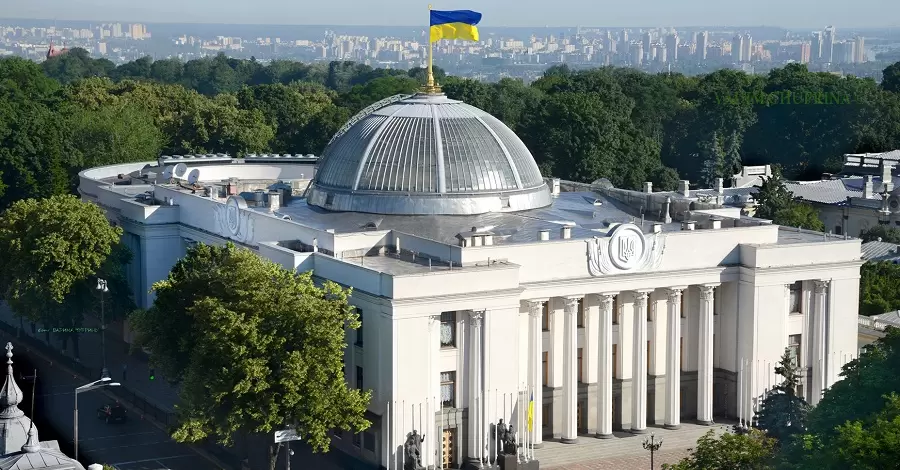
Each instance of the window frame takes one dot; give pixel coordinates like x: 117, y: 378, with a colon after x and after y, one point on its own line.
x: 545, y: 316
x: 452, y: 319
x: 798, y: 288
x: 359, y: 331
x: 360, y: 383
x: 452, y: 383
x: 796, y: 348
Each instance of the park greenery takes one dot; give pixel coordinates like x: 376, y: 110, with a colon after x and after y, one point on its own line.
x: 855, y: 426
x: 235, y: 330
x: 256, y: 347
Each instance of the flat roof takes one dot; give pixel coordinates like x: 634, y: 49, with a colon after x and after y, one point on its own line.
x: 580, y: 210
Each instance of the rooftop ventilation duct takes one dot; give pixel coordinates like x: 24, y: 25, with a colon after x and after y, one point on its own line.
x: 543, y: 235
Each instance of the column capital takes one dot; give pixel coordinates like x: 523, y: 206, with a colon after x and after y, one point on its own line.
x: 675, y: 292
x: 642, y: 295
x: 706, y: 291
x: 606, y: 300
x: 571, y: 304
x: 477, y: 316
x: 821, y: 285
x: 535, y: 306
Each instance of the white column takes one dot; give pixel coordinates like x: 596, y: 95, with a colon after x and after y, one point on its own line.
x: 705, y: 356
x: 474, y: 439
x: 570, y: 372
x: 605, y: 368
x: 536, y: 347
x: 673, y: 359
x: 431, y: 433
x: 639, y: 365
x: 819, y: 320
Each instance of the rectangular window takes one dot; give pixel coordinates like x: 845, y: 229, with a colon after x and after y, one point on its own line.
x: 359, y: 331
x: 545, y: 316
x: 357, y: 440
x: 546, y: 419
x: 615, y: 310
x: 796, y: 298
x: 794, y: 342
x: 546, y: 362
x: 681, y: 351
x: 580, y: 365
x: 614, y: 361
x: 716, y: 301
x: 580, y: 314
x: 448, y: 389
x: 369, y: 441
x: 650, y: 310
x: 683, y: 305
x: 800, y: 391
x: 648, y: 355
x: 448, y: 329
x: 359, y: 378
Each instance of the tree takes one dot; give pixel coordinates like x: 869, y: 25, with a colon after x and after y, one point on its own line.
x: 775, y: 202
x: 49, y: 247
x: 882, y: 233
x: 750, y: 451
x: 799, y: 214
x: 119, y: 133
x: 890, y: 78
x: 878, y: 288
x: 844, y: 429
x: 256, y: 347
x: 783, y: 414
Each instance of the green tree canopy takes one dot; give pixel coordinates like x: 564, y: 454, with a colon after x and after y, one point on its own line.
x: 879, y: 288
x: 776, y: 203
x: 750, y: 451
x: 783, y: 414
x: 883, y: 232
x: 47, y: 248
x: 257, y: 348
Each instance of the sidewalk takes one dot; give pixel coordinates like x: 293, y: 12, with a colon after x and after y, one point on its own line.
x: 158, y: 393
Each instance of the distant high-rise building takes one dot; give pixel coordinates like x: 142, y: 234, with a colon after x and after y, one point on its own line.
x: 805, y: 50
x: 672, y: 47
x: 659, y: 53
x: 137, y: 31
x: 747, y: 48
x: 860, y: 50
x: 117, y: 30
x: 623, y: 42
x: 828, y: 45
x: 636, y: 53
x: 702, y: 45
x: 816, y: 47
x: 737, y: 48
x: 647, y: 43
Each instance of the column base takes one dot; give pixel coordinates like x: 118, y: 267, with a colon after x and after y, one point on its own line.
x: 672, y: 427
x: 603, y: 436
x: 538, y: 445
x: 638, y: 431
x: 568, y: 440
x: 705, y: 423
x: 475, y: 464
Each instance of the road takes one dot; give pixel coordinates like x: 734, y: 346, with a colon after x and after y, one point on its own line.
x: 133, y: 445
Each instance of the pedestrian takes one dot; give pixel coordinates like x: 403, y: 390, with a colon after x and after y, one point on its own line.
x: 124, y: 372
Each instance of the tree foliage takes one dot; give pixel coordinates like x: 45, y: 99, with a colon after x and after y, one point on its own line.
x: 729, y: 451
x: 49, y: 251
x: 882, y: 233
x: 775, y: 202
x: 256, y: 347
x: 782, y: 413
x: 879, y: 288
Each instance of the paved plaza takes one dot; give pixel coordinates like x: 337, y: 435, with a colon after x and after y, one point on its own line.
x: 624, y: 451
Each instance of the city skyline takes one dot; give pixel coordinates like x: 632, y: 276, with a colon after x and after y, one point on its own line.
x: 501, y: 13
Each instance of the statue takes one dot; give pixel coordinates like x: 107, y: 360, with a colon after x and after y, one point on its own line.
x: 412, y: 451
x: 507, y: 438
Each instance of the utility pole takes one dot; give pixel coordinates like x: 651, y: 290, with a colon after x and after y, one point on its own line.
x: 652, y: 445
x: 101, y: 286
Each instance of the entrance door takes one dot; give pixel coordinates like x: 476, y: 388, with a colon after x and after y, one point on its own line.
x: 580, y: 423
x: 449, y: 448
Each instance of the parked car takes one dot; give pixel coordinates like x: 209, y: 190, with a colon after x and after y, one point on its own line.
x: 112, y: 413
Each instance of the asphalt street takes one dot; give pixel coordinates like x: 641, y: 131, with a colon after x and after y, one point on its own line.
x: 133, y: 445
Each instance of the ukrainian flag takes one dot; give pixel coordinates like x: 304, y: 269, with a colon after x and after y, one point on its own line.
x: 457, y: 24
x: 531, y: 412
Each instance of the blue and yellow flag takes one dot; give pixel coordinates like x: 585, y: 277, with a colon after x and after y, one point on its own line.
x: 457, y: 24
x: 531, y: 412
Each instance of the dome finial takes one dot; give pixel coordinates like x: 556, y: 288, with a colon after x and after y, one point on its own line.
x: 10, y: 394
x: 32, y: 444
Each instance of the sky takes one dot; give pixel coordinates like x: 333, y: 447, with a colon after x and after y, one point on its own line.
x: 809, y: 14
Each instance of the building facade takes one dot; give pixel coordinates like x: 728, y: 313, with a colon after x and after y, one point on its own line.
x: 483, y: 288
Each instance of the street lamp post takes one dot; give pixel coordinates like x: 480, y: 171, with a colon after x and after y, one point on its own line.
x: 104, y: 381
x: 101, y: 286
x: 652, y: 445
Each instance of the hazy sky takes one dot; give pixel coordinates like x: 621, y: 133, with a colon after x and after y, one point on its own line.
x: 786, y: 13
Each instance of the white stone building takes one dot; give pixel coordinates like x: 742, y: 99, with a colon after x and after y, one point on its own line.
x: 480, y: 283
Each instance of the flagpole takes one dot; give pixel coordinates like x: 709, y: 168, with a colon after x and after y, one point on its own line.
x: 430, y: 87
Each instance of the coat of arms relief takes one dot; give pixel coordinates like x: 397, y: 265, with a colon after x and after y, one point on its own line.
x: 626, y: 249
